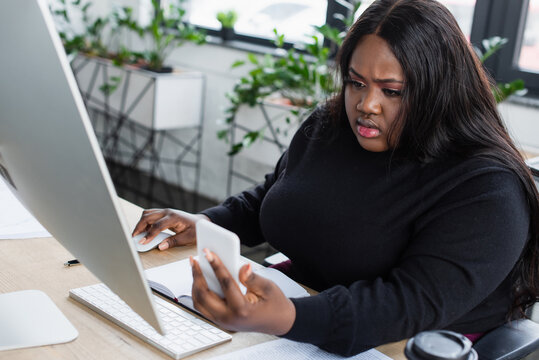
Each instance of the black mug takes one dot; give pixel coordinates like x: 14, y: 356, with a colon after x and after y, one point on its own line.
x: 439, y: 345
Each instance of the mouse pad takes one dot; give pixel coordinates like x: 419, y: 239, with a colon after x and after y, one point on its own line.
x: 29, y: 318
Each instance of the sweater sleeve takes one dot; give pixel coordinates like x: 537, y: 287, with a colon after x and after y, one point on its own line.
x: 239, y: 213
x: 460, y: 251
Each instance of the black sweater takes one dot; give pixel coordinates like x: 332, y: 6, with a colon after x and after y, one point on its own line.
x: 395, y: 247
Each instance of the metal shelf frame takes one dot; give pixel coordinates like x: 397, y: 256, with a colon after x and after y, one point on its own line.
x: 129, y: 143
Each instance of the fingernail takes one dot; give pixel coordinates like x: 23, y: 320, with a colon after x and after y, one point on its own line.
x: 249, y: 270
x: 191, y: 261
x: 208, y: 254
x: 142, y: 240
x: 163, y: 245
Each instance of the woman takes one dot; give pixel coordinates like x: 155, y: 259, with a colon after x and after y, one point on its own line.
x: 403, y: 200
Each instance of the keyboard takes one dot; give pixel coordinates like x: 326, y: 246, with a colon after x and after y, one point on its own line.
x: 186, y: 334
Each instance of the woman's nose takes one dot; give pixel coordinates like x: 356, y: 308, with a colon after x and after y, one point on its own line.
x: 369, y: 103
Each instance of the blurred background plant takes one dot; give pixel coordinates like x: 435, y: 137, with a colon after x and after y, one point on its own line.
x: 299, y: 76
x: 227, y: 19
x: 165, y: 31
x: 501, y: 91
x: 88, y: 38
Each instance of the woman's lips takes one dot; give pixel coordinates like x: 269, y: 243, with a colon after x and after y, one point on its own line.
x: 368, y: 132
x: 367, y: 128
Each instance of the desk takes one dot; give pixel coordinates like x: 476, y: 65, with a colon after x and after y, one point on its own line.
x: 38, y: 264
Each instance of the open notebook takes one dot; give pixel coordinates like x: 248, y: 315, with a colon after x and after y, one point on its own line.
x: 175, y: 281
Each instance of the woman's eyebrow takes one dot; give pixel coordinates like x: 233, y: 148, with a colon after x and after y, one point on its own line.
x: 351, y: 70
x: 388, y: 80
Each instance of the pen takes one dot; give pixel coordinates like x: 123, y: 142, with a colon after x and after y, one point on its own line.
x: 72, y: 262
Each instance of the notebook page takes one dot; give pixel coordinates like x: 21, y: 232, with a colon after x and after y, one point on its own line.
x: 292, y: 350
x: 176, y: 277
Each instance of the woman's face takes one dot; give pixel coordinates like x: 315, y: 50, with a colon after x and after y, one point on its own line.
x: 373, y: 92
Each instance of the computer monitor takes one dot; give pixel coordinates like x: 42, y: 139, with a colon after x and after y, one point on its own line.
x: 52, y: 156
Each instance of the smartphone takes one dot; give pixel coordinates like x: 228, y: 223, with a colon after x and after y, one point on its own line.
x: 222, y: 242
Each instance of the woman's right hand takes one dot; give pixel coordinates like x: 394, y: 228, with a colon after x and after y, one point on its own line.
x: 153, y: 221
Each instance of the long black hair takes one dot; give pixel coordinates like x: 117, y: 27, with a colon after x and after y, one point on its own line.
x: 448, y: 108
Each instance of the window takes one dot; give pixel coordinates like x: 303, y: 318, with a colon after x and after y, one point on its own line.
x: 518, y: 21
x: 529, y: 49
x: 294, y: 18
x: 463, y: 11
x: 258, y: 18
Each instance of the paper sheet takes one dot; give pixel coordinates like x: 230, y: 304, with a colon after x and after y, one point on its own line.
x: 291, y: 350
x: 15, y: 221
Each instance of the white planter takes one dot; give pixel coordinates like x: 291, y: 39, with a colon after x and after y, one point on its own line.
x: 157, y: 101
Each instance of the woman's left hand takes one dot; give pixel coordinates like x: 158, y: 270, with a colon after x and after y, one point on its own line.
x: 263, y: 308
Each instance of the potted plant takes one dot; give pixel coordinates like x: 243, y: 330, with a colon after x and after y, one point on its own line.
x: 227, y: 19
x: 165, y: 32
x: 136, y: 85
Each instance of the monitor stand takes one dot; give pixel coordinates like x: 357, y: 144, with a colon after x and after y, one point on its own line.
x: 29, y: 318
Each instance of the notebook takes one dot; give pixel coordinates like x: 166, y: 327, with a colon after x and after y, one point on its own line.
x: 175, y: 280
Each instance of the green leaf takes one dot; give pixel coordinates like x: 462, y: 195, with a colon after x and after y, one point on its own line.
x: 234, y: 149
x: 252, y: 58
x: 237, y: 63
x: 331, y: 33
x: 279, y: 39
x: 111, y: 86
x: 223, y: 134
x: 250, y: 137
x: 491, y: 46
x: 169, y: 38
x: 504, y: 90
x: 86, y: 7
x: 227, y: 18
x: 62, y: 13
